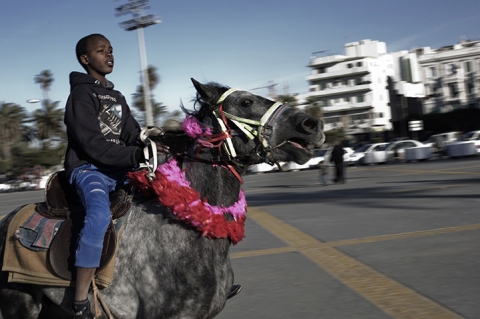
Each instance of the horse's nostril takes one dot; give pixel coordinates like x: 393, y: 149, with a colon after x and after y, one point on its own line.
x: 310, y: 123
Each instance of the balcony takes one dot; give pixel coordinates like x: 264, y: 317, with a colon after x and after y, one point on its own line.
x: 346, y: 107
x: 338, y: 74
x: 342, y: 90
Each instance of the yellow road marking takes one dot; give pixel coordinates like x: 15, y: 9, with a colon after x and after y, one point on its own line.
x: 420, y: 233
x: 387, y: 294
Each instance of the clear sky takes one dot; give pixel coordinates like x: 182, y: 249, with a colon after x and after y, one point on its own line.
x: 241, y: 44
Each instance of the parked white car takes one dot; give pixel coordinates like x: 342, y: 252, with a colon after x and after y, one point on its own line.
x: 261, y: 168
x: 319, y: 155
x: 396, y: 150
x: 4, y: 188
x: 358, y: 155
x: 447, y: 138
x: 473, y: 136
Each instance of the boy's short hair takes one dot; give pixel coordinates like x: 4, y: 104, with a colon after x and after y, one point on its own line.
x: 82, y: 44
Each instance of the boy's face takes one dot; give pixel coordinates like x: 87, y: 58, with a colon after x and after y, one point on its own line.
x: 99, y: 57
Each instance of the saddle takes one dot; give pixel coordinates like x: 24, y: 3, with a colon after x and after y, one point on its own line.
x: 62, y: 202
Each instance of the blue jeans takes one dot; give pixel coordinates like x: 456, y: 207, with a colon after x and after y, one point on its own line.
x: 94, y: 185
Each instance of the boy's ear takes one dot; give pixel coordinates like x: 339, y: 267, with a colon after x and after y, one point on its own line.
x: 84, y: 59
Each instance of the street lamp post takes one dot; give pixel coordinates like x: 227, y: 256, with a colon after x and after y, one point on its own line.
x: 140, y: 21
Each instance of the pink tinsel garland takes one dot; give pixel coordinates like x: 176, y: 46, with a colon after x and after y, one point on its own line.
x: 174, y: 192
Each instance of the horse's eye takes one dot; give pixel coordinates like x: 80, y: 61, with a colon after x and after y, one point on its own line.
x: 246, y: 103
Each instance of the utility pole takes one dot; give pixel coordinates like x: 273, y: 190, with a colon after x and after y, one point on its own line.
x: 140, y: 20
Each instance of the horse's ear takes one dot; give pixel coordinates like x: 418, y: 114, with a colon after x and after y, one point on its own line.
x: 199, y: 87
x: 203, y: 90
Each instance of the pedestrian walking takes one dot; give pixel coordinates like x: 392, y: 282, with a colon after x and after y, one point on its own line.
x: 337, y: 158
x: 323, y: 173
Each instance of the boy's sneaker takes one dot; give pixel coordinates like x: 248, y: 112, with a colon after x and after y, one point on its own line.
x: 82, y: 311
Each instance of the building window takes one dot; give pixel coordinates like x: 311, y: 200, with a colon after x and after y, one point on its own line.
x: 467, y: 65
x: 323, y: 86
x: 358, y: 81
x: 379, y: 115
x: 321, y: 70
x: 350, y: 65
x: 470, y: 88
x: 452, y: 87
x: 359, y: 63
x: 346, y: 99
x: 360, y: 99
x: 451, y: 68
x: 345, y: 82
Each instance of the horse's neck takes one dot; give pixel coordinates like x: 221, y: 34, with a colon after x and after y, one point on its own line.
x: 215, y: 183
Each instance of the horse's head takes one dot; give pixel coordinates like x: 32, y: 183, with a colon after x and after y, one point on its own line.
x: 256, y: 129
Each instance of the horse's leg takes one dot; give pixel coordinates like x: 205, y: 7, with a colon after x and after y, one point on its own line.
x: 19, y: 301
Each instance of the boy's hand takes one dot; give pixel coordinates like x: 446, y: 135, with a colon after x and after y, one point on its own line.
x: 155, y: 131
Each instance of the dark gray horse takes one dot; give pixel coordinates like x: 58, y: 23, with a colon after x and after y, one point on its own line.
x: 164, y: 267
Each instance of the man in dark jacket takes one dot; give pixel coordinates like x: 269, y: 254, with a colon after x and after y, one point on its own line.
x: 337, y: 159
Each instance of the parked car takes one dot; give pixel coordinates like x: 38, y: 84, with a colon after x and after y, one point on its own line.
x: 473, y: 136
x: 396, y: 150
x: 318, y: 155
x: 261, y: 168
x: 357, y: 156
x: 446, y: 137
x: 4, y: 188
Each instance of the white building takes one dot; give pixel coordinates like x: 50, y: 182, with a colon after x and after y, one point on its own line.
x: 352, y: 88
x: 451, y: 76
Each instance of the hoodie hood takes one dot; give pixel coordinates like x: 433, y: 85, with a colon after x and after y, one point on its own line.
x: 77, y: 78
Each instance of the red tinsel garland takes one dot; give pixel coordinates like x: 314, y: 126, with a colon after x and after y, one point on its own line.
x: 179, y: 200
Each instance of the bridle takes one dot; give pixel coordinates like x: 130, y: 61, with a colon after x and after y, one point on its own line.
x: 262, y: 129
x: 252, y: 129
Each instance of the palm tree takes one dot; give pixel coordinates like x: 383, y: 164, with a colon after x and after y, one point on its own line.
x: 153, y: 77
x: 287, y: 99
x: 139, y: 99
x: 313, y: 108
x: 49, y: 120
x: 45, y: 79
x: 11, y: 118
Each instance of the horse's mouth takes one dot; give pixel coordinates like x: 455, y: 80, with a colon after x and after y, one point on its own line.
x: 304, y: 145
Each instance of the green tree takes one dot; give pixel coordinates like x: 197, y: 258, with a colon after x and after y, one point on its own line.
x: 11, y: 118
x: 138, y: 97
x: 313, y: 107
x: 287, y: 99
x: 45, y: 79
x: 49, y: 120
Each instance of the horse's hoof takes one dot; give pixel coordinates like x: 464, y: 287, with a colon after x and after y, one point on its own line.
x: 234, y: 291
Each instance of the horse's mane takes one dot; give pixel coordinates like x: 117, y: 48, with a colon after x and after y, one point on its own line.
x: 174, y: 136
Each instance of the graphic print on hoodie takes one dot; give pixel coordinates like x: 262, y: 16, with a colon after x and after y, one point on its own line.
x: 110, y: 118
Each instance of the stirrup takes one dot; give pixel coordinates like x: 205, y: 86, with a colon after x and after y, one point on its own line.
x: 234, y: 291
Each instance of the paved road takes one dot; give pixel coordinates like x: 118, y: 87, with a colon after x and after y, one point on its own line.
x: 395, y: 241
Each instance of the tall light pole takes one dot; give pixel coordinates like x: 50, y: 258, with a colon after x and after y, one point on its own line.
x: 140, y: 20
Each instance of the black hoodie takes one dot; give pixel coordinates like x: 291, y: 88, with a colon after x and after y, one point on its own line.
x: 100, y: 128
